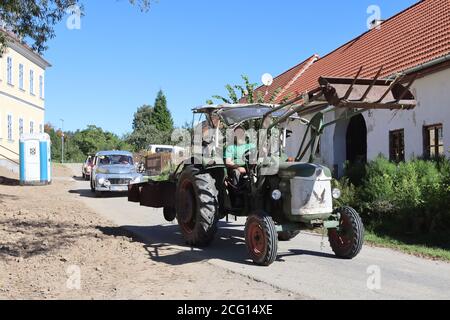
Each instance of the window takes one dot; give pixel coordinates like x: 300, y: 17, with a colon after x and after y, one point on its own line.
x: 10, y: 132
x: 9, y: 70
x: 20, y: 126
x: 32, y: 82
x: 397, y: 145
x: 31, y: 127
x: 41, y: 87
x: 434, y: 141
x: 21, y: 76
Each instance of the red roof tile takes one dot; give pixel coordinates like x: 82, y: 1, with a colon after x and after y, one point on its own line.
x: 415, y: 36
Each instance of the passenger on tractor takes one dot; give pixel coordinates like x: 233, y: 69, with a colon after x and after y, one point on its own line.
x: 235, y: 156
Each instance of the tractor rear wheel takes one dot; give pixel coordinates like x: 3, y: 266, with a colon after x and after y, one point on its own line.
x: 197, y: 209
x: 347, y: 241
x: 287, y: 235
x: 261, y: 239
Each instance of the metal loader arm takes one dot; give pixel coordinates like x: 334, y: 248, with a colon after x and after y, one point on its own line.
x: 357, y: 95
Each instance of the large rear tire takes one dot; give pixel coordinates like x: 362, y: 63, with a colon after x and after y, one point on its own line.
x: 197, y: 207
x: 347, y: 242
x: 261, y: 239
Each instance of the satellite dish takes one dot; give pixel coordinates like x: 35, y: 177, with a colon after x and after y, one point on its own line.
x: 267, y: 79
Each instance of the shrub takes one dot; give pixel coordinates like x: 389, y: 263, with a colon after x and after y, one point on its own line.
x: 348, y: 193
x: 411, y: 197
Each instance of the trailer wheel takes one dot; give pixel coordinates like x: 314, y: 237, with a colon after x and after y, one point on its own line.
x: 348, y: 240
x: 287, y: 235
x: 197, y: 207
x: 261, y: 239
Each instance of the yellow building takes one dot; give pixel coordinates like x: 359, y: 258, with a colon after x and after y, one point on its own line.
x: 22, y: 96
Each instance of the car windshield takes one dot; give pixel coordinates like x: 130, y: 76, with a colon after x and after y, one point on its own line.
x: 115, y: 160
x: 163, y: 150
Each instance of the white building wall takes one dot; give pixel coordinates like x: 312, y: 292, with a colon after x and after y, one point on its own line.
x: 433, y: 96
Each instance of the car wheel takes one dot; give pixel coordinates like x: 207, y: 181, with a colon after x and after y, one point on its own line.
x: 92, y: 186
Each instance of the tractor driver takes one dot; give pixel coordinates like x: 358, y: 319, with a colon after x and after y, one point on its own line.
x: 235, y: 154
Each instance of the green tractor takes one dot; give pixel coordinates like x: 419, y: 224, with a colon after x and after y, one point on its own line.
x: 280, y: 196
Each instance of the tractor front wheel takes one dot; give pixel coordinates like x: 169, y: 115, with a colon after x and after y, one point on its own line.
x: 347, y: 240
x: 261, y: 239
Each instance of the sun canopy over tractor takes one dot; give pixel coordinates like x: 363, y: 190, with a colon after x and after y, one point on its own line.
x: 233, y: 114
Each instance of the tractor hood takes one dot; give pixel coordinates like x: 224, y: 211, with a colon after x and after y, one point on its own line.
x: 290, y: 170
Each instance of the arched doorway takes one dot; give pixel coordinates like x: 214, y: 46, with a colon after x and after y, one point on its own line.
x: 356, y: 140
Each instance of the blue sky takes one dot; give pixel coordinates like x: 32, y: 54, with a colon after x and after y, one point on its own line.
x: 121, y: 57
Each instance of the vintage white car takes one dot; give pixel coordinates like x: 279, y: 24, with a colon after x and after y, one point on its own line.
x: 113, y: 171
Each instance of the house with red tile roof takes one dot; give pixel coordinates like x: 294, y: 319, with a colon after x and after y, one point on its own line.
x: 416, y: 41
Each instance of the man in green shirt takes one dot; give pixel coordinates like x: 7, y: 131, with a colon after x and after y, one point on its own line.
x: 235, y: 153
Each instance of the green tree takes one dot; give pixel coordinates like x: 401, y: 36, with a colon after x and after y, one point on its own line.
x: 55, y: 138
x: 34, y: 20
x: 247, y: 91
x: 79, y: 144
x: 161, y: 117
x: 93, y: 139
x: 143, y: 117
x: 151, y: 125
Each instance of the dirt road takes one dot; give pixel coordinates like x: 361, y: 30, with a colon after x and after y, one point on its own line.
x: 52, y: 246
x: 306, y: 265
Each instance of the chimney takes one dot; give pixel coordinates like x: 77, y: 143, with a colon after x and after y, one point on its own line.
x: 376, y: 23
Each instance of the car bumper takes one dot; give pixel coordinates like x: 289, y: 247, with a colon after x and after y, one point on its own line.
x: 112, y: 188
x: 115, y: 183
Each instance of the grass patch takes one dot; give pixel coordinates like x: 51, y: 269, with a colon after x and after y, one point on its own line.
x: 413, y: 249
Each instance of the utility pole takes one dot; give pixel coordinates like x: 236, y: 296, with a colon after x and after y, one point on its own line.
x: 62, y: 140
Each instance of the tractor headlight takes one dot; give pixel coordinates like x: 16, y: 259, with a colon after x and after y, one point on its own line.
x: 276, y: 194
x: 336, y: 193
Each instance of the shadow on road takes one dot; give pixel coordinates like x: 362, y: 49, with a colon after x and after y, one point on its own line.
x: 76, y: 178
x: 8, y: 181
x: 87, y: 193
x: 36, y: 237
x: 299, y: 252
x: 159, y: 241
x: 229, y: 244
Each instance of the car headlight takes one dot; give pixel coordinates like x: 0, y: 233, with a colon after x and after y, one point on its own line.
x: 336, y: 193
x: 276, y: 194
x: 101, y: 181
